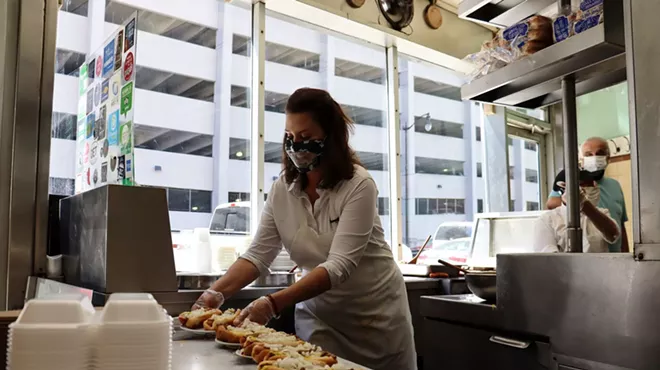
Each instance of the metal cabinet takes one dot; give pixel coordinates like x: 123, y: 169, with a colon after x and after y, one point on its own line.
x: 451, y: 346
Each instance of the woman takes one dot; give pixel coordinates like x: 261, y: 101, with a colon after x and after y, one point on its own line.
x: 352, y: 299
x: 598, y: 228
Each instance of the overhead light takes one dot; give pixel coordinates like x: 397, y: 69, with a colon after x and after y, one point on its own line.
x: 195, y: 208
x: 239, y: 154
x: 445, y: 170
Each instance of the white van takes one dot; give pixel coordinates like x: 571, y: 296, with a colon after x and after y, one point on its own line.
x: 230, y: 225
x: 450, y: 231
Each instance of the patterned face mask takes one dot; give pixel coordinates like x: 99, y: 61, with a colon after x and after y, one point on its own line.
x: 305, y: 155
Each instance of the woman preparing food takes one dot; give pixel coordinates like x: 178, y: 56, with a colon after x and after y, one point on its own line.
x: 352, y: 299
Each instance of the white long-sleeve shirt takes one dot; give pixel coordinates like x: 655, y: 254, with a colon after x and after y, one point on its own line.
x: 550, y: 233
x: 347, y: 214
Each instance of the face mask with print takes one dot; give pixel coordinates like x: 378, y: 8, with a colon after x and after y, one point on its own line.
x: 305, y: 155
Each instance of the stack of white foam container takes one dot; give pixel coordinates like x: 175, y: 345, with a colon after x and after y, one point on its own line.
x: 52, y: 334
x: 131, y: 332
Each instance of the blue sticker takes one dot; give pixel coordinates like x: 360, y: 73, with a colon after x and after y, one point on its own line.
x: 128, y: 165
x: 113, y: 128
x: 515, y: 31
x: 109, y: 58
x: 588, y: 4
x: 561, y: 28
x: 105, y: 90
x: 585, y: 24
x: 91, y: 119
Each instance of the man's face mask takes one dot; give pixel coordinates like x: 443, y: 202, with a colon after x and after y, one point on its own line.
x: 305, y: 155
x: 596, y: 165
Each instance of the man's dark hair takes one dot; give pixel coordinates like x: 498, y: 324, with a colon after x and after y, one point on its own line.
x: 338, y: 158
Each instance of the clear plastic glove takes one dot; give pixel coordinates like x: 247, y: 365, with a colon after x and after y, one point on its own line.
x: 209, y: 299
x: 260, y: 311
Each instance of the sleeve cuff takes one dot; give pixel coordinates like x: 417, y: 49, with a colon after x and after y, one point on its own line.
x: 262, y: 267
x: 334, y: 272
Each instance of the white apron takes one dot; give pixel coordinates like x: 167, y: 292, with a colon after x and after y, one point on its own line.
x: 366, y: 319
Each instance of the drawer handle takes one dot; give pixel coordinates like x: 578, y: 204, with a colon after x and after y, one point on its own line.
x: 509, y: 342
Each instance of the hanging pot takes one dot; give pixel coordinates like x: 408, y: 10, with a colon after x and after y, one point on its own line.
x: 433, y: 15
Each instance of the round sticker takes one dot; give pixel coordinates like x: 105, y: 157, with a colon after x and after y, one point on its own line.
x: 96, y: 176
x: 99, y: 66
x: 94, y: 152
x: 115, y: 88
x: 97, y: 95
x: 128, y: 67
x: 86, y: 153
x: 113, y: 164
x: 104, y: 148
x: 88, y: 175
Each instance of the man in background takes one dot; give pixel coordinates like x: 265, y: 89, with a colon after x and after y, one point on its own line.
x: 595, y: 155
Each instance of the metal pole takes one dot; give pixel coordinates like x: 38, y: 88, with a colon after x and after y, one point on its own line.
x: 571, y: 169
x: 257, y: 108
x: 394, y: 141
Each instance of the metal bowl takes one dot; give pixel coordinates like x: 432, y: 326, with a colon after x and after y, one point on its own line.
x: 275, y: 279
x: 483, y: 285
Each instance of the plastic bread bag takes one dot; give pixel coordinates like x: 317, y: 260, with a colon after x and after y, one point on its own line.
x: 589, y: 15
x: 528, y: 36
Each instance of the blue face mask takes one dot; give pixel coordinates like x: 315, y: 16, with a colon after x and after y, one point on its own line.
x: 305, y: 155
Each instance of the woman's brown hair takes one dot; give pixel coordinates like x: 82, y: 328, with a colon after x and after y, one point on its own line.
x: 338, y: 158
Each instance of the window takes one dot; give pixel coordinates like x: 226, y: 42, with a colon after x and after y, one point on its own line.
x: 432, y: 206
x: 437, y: 89
x: 383, y: 206
x: 178, y: 200
x: 180, y: 113
x: 428, y: 125
x: 531, y: 176
x: 527, y: 188
x: 433, y: 156
x: 232, y: 219
x: 532, y: 206
x: 359, y: 71
x: 512, y: 205
x: 530, y: 145
x: 352, y: 72
x: 438, y: 166
x: 238, y: 197
x: 512, y: 171
x: 480, y: 205
x: 200, y: 201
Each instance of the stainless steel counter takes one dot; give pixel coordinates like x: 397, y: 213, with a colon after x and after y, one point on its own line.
x: 200, y: 354
x: 205, y: 354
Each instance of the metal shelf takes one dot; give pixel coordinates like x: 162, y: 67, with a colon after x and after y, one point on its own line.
x: 596, y: 58
x: 503, y: 13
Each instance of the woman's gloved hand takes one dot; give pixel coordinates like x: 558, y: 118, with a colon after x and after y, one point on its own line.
x: 209, y: 299
x: 260, y: 311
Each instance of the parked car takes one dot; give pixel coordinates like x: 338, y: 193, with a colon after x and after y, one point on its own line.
x: 448, y: 231
x: 456, y: 251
